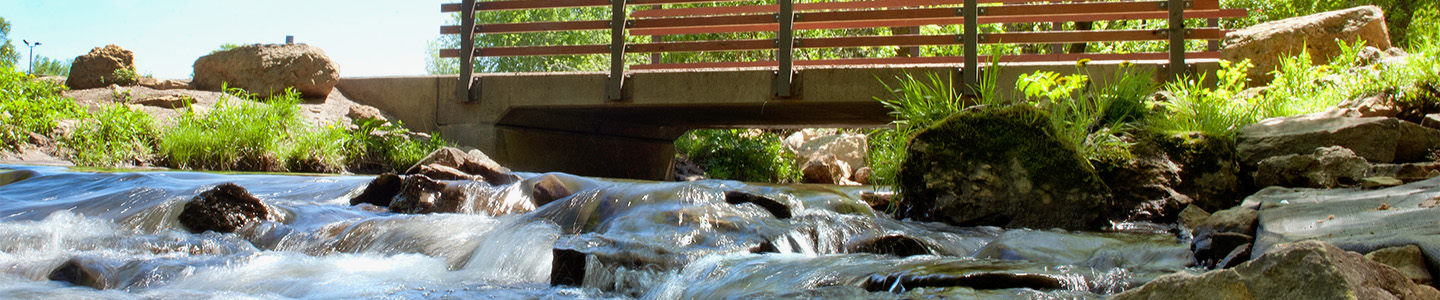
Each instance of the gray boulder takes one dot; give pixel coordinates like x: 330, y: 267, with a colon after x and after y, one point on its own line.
x: 268, y: 70
x: 1328, y: 167
x: 1407, y: 259
x: 1303, y: 270
x: 1000, y: 166
x: 1377, y: 139
x: 1265, y: 43
x: 97, y: 68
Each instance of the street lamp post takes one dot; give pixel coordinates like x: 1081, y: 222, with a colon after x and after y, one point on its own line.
x: 32, y: 55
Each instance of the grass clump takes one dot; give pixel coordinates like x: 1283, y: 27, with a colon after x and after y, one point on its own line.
x: 739, y: 154
x: 247, y: 135
x: 114, y: 136
x: 28, y: 106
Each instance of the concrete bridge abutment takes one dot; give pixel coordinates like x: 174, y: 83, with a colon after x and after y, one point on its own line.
x: 562, y: 122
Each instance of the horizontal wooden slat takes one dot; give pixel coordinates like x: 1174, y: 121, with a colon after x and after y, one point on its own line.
x: 1227, y: 13
x: 847, y: 42
x: 947, y: 60
x: 531, y: 27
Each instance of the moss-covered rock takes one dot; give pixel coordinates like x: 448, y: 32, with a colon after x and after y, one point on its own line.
x: 1000, y: 166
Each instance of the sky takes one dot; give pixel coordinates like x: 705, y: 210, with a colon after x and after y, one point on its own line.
x: 363, y: 37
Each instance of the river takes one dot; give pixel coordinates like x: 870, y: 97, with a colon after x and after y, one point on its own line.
x: 634, y: 239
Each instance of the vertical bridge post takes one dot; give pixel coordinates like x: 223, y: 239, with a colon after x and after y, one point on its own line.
x: 785, y: 49
x: 614, y: 86
x: 971, y: 71
x: 1177, y: 38
x: 467, y: 50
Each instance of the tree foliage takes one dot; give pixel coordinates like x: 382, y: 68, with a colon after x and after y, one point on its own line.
x: 50, y: 66
x: 8, y: 55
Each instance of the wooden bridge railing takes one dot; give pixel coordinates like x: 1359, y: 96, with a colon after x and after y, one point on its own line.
x: 785, y: 17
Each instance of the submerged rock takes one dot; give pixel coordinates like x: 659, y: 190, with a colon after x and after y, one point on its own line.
x: 779, y: 210
x: 1000, y: 166
x: 380, y: 191
x: 896, y: 283
x: 897, y: 245
x: 418, y: 195
x: 82, y: 271
x: 268, y: 69
x: 548, y: 189
x: 223, y: 209
x: 1304, y: 270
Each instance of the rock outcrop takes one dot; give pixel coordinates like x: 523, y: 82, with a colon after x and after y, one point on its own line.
x: 268, y: 70
x: 1000, y: 166
x: 1304, y: 270
x: 474, y: 163
x: 1328, y: 167
x: 1265, y: 43
x: 1377, y: 139
x: 98, y: 68
x: 1407, y: 259
x: 224, y: 209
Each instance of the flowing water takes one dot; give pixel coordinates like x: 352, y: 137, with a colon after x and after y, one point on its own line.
x: 650, y: 240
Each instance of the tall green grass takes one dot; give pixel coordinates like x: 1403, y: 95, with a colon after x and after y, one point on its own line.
x: 114, y: 136
x: 28, y: 105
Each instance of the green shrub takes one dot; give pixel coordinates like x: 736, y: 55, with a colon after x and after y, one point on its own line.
x: 916, y: 104
x: 30, y: 106
x: 114, y: 136
x: 739, y: 154
x: 381, y: 146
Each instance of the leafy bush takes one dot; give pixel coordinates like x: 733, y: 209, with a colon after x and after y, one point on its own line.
x: 739, y: 154
x: 30, y: 106
x: 383, y: 146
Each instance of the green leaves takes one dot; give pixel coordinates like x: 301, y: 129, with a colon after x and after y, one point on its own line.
x: 739, y: 154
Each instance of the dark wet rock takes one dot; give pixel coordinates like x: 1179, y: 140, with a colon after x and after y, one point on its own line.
x: 1407, y: 259
x: 418, y: 195
x: 897, y: 245
x: 9, y: 177
x: 1222, y: 250
x: 1379, y: 182
x: 268, y: 69
x: 82, y: 271
x: 548, y: 189
x: 1304, y: 270
x: 1209, y: 169
x: 98, y: 68
x: 380, y: 191
x: 780, y: 210
x: 473, y: 163
x: 1000, y: 166
x: 1143, y: 187
x: 1327, y: 167
x: 567, y: 267
x: 223, y: 209
x: 1416, y: 142
x: 877, y: 200
x: 897, y: 283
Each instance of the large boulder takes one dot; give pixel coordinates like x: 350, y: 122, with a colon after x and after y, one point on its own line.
x: 1328, y: 167
x: 98, y: 68
x: 849, y: 148
x: 827, y: 169
x: 1377, y: 139
x: 1000, y: 166
x: 1304, y: 270
x: 268, y: 70
x: 224, y: 209
x: 1352, y: 219
x: 1265, y: 43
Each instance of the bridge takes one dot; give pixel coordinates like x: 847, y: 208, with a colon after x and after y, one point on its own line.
x: 621, y: 122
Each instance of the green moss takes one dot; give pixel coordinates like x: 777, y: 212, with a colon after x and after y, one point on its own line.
x: 1019, y: 132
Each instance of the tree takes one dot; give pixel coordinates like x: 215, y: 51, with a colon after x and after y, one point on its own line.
x: 49, y: 66
x: 8, y: 55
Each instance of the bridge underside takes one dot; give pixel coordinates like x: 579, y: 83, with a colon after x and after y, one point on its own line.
x: 543, y: 122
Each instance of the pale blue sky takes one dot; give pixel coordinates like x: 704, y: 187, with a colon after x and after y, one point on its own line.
x: 364, y: 37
